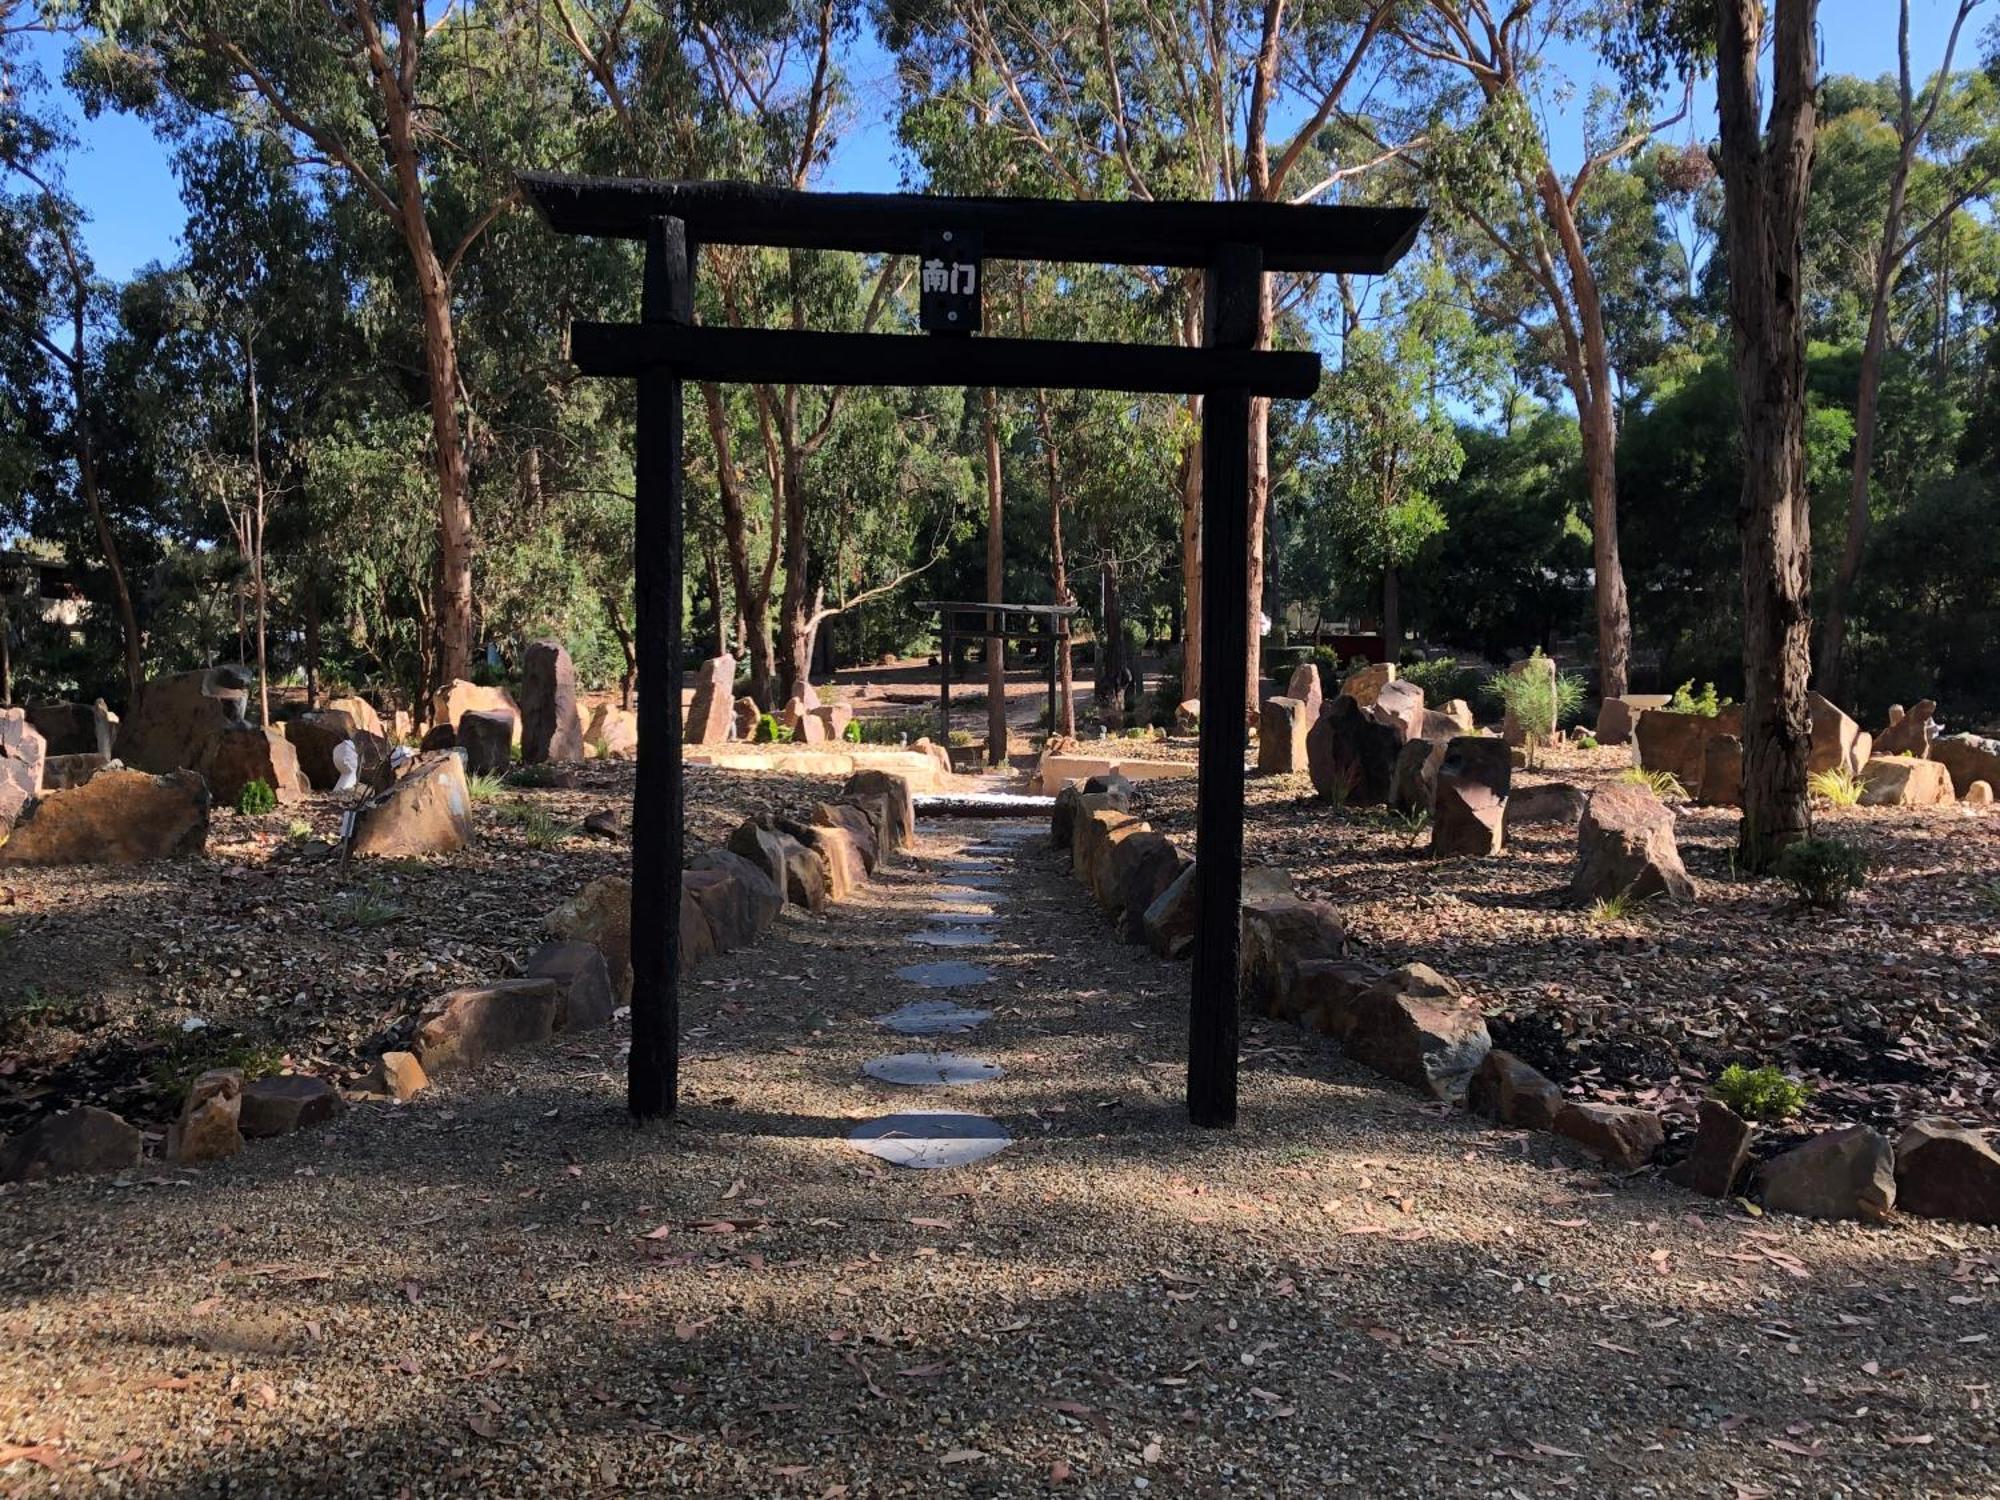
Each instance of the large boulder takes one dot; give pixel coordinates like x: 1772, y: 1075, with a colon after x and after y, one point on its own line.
x: 487, y: 736
x: 1507, y: 1090
x: 242, y: 754
x: 1900, y: 781
x: 287, y: 1102
x: 1415, y: 1028
x: 1721, y: 772
x: 450, y: 704
x: 793, y: 868
x: 463, y: 1028
x: 313, y: 734
x: 838, y: 853
x: 710, y: 713
x: 601, y: 915
x: 429, y: 811
x: 1168, y: 924
x: 1616, y: 1134
x: 1835, y: 738
x: 210, y: 1123
x: 1414, y: 782
x: 1676, y: 743
x: 71, y: 1144
x: 1098, y: 833
x: 1281, y: 736
x: 1140, y: 868
x: 1469, y: 803
x: 860, y: 826
x: 1304, y: 686
x: 1617, y: 717
x: 23, y: 762
x: 551, y: 726
x: 178, y: 718
x: 117, y: 818
x: 1281, y: 930
x: 1910, y: 733
x: 361, y: 715
x: 1364, y: 685
x: 1550, y: 803
x: 1352, y: 758
x: 901, y: 828
x: 1944, y: 1172
x: 584, y: 999
x: 1969, y: 758
x: 1400, y: 706
x: 1848, y: 1173
x: 1626, y: 846
x: 75, y: 728
x: 613, y: 732
x: 1110, y: 790
x: 745, y: 902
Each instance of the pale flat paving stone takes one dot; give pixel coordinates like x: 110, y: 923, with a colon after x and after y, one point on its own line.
x: 970, y: 882
x: 962, y: 918
x: 934, y: 1018
x: 927, y: 1139
x: 944, y: 974
x: 953, y: 937
x: 932, y: 1069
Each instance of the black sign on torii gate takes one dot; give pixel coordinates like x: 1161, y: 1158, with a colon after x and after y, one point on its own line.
x: 1234, y: 244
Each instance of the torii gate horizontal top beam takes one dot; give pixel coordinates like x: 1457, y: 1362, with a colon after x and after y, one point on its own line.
x: 1358, y: 240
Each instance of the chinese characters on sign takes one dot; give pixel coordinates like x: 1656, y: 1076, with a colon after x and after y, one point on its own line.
x: 948, y: 277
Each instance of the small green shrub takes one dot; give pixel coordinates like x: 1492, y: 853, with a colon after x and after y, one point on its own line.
x: 771, y: 732
x: 1538, y: 701
x: 1619, y: 908
x: 1840, y: 786
x: 256, y: 799
x: 852, y: 733
x: 1822, y: 873
x: 298, y: 830
x: 1662, y: 784
x: 484, y: 786
x: 1443, y: 679
x: 1686, y: 700
x: 1761, y: 1094
x: 1586, y: 742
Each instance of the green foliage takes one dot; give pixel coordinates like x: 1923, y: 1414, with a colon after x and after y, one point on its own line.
x: 1840, y: 786
x: 1443, y: 679
x: 1537, y: 699
x: 771, y: 732
x: 1662, y: 784
x: 1822, y: 872
x: 540, y: 775
x: 298, y: 830
x: 484, y: 786
x: 1685, y: 700
x: 256, y: 799
x: 891, y: 729
x: 1764, y: 1094
x: 365, y: 906
x: 1610, y: 910
x: 852, y: 733
x: 1586, y: 742
x: 541, y: 828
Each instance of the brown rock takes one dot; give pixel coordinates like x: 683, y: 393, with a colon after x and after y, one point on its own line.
x: 178, y: 717
x: 1505, y: 1089
x: 23, y: 758
x: 613, y: 733
x: 857, y: 823
x: 1910, y: 733
x: 1969, y: 758
x: 746, y: 716
x: 837, y: 854
x: 1848, y: 1173
x: 808, y: 728
x: 901, y: 827
x: 313, y: 733
x: 1625, y: 844
x: 1410, y: 1028
x: 1834, y: 738
x: 1979, y: 794
x: 1617, y: 717
x: 428, y: 812
x: 209, y: 1126
x: 117, y: 818
x: 1168, y: 924
x: 1721, y: 1151
x: 741, y: 907
x: 601, y: 915
x: 1281, y: 736
x: 1365, y: 685
x: 551, y: 726
x: 1279, y: 932
x: 1553, y: 802
x: 466, y: 1027
x: 70, y: 728
x: 396, y: 1075
x: 584, y: 1000
x: 1676, y: 743
x: 1400, y: 706
x: 792, y: 867
x: 1352, y: 758
x: 1944, y: 1172
x: 291, y: 1101
x: 1899, y: 781
x: 1142, y: 867
x: 241, y: 754
x: 1615, y: 1134
x: 1112, y: 792
x: 1414, y: 783
x: 1721, y: 772
x: 1469, y: 803
x: 71, y: 1144
x: 487, y: 737
x: 438, y: 737
x: 710, y: 714
x: 1303, y: 686
x: 361, y: 715
x: 1098, y: 830
x: 453, y: 703
x: 1325, y: 990
x: 62, y: 773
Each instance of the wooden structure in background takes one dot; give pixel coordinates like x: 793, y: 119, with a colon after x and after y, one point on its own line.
x: 1234, y: 244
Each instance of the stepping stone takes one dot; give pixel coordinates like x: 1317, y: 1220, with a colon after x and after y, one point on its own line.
x: 933, y: 1018
x: 971, y: 882
x: 931, y: 1069
x: 969, y: 867
x: 953, y: 937
x: 927, y: 1139
x: 944, y: 974
x: 962, y: 918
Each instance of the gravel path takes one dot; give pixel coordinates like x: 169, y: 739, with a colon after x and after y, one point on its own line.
x: 503, y: 1289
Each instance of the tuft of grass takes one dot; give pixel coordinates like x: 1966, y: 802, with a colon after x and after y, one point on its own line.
x: 1761, y: 1094
x: 1662, y: 784
x: 298, y: 830
x: 542, y: 775
x: 365, y: 906
x: 1607, y: 910
x: 541, y: 828
x: 1822, y: 873
x: 1841, y: 787
x: 1586, y: 742
x: 1988, y: 895
x: 484, y: 786
x: 256, y: 799
x: 183, y: 1056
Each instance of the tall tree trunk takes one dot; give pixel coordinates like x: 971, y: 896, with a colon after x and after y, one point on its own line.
x: 1392, y: 614
x: 614, y: 614
x: 996, y: 584
x: 254, y: 526
x: 795, y: 604
x: 1190, y: 488
x: 713, y: 566
x: 1260, y: 499
x: 310, y: 608
x: 1059, y: 589
x: 1614, y: 615
x: 753, y: 587
x: 1766, y: 173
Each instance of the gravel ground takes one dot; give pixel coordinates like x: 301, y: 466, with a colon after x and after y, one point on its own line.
x: 504, y: 1289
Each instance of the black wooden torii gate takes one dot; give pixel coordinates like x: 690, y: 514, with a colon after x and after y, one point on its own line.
x: 1234, y: 244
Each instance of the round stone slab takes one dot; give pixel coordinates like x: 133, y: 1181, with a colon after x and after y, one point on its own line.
x: 952, y: 937
x: 945, y: 974
x: 926, y: 1139
x: 931, y: 1069
x: 933, y: 1018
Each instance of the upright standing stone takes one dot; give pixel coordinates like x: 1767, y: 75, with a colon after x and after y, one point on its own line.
x: 746, y: 716
x: 1400, y: 705
x: 428, y: 812
x: 1415, y: 781
x: 1511, y: 729
x: 1721, y: 771
x: 23, y: 756
x: 1834, y: 736
x: 1352, y: 758
x: 452, y: 703
x: 708, y: 716
x: 1469, y: 805
x: 1626, y: 846
x: 360, y: 713
x: 1304, y: 685
x: 1281, y: 736
x: 1365, y: 685
x: 313, y: 734
x: 487, y: 738
x: 178, y: 718
x: 551, y: 726
x: 243, y: 753
x: 1910, y: 733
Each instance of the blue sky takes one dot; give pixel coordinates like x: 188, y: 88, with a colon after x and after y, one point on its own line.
x: 121, y: 175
